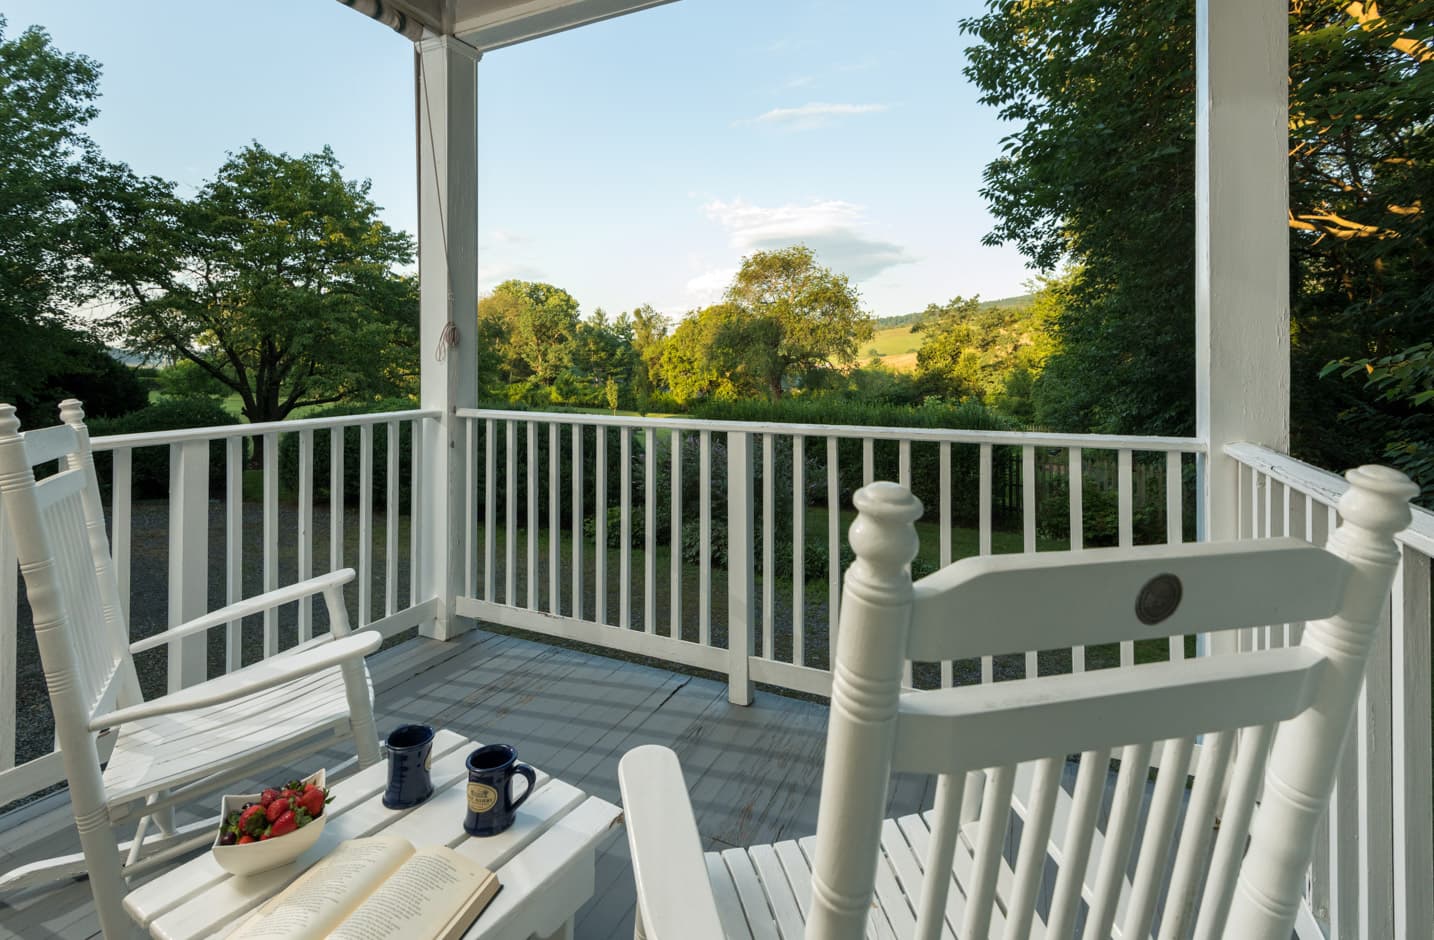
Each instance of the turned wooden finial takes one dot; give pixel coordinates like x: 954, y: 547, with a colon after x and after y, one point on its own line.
x: 9, y: 424
x: 883, y: 535
x: 72, y: 412
x: 1378, y: 499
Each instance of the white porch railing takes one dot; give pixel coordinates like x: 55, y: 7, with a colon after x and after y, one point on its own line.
x: 770, y: 494
x: 214, y: 536
x: 1373, y: 875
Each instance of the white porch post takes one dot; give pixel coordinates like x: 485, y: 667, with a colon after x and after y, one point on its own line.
x: 447, y: 102
x: 1242, y: 306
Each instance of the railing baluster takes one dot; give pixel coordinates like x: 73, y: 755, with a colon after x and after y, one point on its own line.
x: 600, y: 513
x: 903, y: 463
x: 233, y: 547
x: 470, y: 511
x: 1374, y: 745
x: 1174, y: 525
x: 1413, y: 796
x: 365, y: 544
x: 1028, y: 529
x: 944, y: 487
x: 390, y: 523
x: 1125, y: 520
x: 649, y: 533
x: 577, y: 529
x: 799, y: 547
x: 336, y: 498
x: 675, y: 622
x: 271, y: 539
x: 415, y: 492
x: 988, y: 667
x: 531, y: 521
x: 868, y: 461
x: 9, y: 647
x: 1075, y: 487
x: 490, y: 510
x: 510, y: 540
x: 624, y: 551
x: 769, y: 531
x: 555, y: 523
x: 704, y: 534
x: 121, y: 506
x: 833, y: 549
x: 305, y: 533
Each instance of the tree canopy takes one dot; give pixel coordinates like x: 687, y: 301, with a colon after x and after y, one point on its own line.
x: 811, y: 316
x: 56, y: 196
x: 1099, y: 175
x: 278, y: 281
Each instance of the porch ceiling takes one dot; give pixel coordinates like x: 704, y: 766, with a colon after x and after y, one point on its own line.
x: 492, y: 24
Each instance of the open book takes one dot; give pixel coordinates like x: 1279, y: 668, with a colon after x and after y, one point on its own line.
x: 377, y: 889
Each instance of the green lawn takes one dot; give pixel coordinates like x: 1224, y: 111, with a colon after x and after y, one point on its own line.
x: 892, y: 342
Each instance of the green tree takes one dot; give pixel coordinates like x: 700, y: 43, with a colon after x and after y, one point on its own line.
x: 1101, y: 171
x: 719, y: 352
x: 58, y: 197
x: 811, y: 316
x: 539, y: 325
x: 277, y: 280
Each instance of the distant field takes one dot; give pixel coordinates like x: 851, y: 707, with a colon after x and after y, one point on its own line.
x: 895, y: 346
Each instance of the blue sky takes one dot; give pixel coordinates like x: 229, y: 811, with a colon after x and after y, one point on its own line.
x: 632, y: 161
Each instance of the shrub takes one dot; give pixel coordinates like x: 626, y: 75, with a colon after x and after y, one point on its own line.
x: 149, y: 477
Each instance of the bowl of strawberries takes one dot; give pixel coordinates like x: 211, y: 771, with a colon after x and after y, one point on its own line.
x: 259, y: 831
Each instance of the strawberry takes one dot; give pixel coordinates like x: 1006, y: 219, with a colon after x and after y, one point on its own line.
x: 312, y: 801
x: 270, y: 795
x: 252, y: 820
x: 276, y: 808
x: 284, y: 825
x: 246, y: 839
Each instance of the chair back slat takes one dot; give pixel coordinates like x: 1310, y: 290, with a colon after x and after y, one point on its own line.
x: 1153, y: 862
x: 85, y: 614
x: 1078, y: 837
x: 971, y: 727
x: 1031, y: 856
x: 993, y: 604
x: 1192, y: 852
x: 986, y: 854
x: 47, y: 444
x: 984, y: 741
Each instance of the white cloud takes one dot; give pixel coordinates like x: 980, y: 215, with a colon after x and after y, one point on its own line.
x: 707, y: 288
x: 815, y: 114
x: 837, y: 231
x: 492, y: 273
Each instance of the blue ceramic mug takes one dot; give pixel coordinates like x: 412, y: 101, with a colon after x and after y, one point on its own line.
x: 491, y: 806
x: 410, y: 754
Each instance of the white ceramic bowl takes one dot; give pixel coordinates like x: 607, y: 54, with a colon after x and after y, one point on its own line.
x: 271, y: 853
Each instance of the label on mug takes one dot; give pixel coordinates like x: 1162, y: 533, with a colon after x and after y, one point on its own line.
x: 481, y: 797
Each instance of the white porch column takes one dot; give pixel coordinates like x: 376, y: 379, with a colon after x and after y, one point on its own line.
x: 447, y: 101
x: 1242, y: 305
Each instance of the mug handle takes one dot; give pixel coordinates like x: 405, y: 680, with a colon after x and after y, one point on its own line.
x: 532, y: 777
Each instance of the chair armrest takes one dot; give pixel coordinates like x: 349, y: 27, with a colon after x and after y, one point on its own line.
x: 674, y: 895
x: 264, y: 675
x: 240, y: 609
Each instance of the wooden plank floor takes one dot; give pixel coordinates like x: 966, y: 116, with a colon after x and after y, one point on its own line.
x: 753, y: 771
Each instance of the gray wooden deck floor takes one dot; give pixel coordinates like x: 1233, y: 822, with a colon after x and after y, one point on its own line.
x: 753, y: 772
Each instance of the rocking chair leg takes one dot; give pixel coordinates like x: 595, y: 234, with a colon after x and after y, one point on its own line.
x: 156, y: 851
x: 138, y: 843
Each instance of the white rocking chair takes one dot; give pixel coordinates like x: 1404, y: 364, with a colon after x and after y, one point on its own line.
x: 1002, y: 748
x: 171, y: 749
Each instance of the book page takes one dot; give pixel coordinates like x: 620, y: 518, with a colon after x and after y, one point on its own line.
x: 310, y: 907
x: 436, y: 893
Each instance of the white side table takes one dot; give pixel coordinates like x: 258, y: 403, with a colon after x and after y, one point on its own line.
x: 546, y: 861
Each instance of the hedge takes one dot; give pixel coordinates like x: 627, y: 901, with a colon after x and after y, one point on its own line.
x: 149, y: 467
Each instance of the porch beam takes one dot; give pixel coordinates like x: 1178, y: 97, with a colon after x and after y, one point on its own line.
x: 514, y: 21
x: 1242, y: 309
x: 446, y: 82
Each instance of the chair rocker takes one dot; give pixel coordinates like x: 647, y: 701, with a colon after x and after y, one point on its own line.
x: 171, y: 749
x: 1221, y: 856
